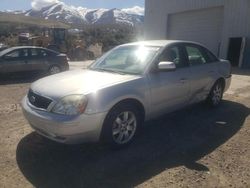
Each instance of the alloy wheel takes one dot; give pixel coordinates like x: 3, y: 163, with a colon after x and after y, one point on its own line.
x: 54, y: 70
x: 124, y: 127
x: 217, y: 94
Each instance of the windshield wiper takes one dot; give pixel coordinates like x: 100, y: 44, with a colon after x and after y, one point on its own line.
x: 114, y: 71
x: 107, y: 70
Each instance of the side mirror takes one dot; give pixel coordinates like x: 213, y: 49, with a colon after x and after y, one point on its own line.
x: 166, y: 66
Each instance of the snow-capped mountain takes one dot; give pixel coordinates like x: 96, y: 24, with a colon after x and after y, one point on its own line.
x: 79, y: 15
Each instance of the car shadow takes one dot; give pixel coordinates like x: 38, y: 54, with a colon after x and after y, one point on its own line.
x: 19, y: 78
x: 180, y: 138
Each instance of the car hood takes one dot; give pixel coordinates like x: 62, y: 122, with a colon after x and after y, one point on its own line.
x: 77, y: 82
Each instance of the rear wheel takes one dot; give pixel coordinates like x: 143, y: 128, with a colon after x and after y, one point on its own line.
x: 54, y: 69
x: 216, y: 94
x: 121, y: 125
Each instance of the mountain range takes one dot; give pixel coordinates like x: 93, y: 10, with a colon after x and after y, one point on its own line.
x: 79, y: 15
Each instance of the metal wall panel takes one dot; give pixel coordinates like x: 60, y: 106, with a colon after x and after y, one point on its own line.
x: 235, y: 23
x: 203, y: 25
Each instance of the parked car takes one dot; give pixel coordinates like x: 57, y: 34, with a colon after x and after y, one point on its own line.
x: 29, y: 58
x: 130, y: 84
x: 3, y: 47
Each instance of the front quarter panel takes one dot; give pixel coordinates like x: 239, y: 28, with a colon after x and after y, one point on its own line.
x: 104, y: 99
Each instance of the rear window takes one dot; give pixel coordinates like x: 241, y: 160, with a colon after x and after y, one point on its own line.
x: 42, y: 53
x: 51, y: 52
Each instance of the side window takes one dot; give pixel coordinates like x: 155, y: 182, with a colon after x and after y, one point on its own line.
x: 34, y: 53
x: 16, y: 54
x: 12, y: 55
x: 195, y: 56
x: 173, y: 54
x: 42, y: 53
x: 24, y: 53
x: 210, y: 56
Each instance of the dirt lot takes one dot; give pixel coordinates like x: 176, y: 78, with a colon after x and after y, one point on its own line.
x: 195, y: 147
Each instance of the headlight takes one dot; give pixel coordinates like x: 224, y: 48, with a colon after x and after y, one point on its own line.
x: 71, y: 105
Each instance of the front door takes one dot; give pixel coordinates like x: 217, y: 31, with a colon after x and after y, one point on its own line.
x: 16, y: 61
x: 38, y: 59
x: 170, y: 90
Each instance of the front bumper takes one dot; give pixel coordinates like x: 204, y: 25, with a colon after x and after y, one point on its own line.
x: 64, y: 129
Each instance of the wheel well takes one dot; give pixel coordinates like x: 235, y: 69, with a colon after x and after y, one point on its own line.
x: 133, y: 102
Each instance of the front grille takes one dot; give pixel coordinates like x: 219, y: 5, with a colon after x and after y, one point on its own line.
x: 38, y: 101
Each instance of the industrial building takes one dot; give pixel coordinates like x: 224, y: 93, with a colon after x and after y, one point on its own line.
x: 221, y: 25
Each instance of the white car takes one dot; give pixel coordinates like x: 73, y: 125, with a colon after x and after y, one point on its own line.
x: 130, y: 84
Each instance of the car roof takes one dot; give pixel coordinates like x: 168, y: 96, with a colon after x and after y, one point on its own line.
x: 160, y: 43
x: 21, y: 47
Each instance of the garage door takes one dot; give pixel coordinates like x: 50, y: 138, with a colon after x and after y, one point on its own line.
x: 204, y: 26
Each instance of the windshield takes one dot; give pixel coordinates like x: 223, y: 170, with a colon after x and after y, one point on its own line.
x: 5, y: 51
x: 126, y: 59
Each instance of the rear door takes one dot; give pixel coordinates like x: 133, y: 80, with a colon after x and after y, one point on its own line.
x: 170, y: 90
x: 16, y: 61
x: 203, y: 71
x: 38, y: 59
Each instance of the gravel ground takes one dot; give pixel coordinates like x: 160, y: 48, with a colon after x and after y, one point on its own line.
x: 194, y: 147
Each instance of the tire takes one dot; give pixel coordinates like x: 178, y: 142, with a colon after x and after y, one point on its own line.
x: 121, y: 125
x: 216, y: 94
x: 54, y: 69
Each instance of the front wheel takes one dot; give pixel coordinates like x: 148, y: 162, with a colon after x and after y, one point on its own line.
x: 216, y: 94
x: 121, y: 125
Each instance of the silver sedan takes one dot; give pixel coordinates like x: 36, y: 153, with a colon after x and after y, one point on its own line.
x: 130, y: 84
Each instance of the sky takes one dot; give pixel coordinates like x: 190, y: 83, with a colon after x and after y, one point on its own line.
x: 27, y: 4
